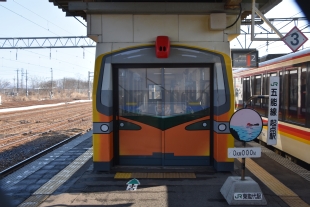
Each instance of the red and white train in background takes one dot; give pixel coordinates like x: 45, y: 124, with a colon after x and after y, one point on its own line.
x: 294, y: 100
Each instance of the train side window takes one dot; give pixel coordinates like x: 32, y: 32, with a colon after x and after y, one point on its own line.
x: 246, y: 89
x: 257, y: 91
x: 265, y: 92
x: 293, y: 109
x: 281, y: 97
x: 303, y: 92
x: 219, y: 85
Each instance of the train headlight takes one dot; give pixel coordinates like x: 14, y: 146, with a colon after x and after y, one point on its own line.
x: 104, y: 128
x: 222, y: 127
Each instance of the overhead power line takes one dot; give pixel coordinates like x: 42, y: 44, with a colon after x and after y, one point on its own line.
x: 46, y: 42
x: 28, y: 19
x: 42, y: 17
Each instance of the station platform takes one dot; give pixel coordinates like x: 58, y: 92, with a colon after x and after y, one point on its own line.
x: 65, y: 177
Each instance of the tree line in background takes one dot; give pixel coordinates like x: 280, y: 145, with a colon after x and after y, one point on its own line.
x: 36, y: 88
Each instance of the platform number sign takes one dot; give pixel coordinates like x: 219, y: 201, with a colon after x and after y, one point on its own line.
x: 244, y: 58
x: 294, y: 39
x: 273, y: 111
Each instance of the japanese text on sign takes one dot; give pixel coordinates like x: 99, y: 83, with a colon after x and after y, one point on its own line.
x: 273, y: 110
x: 248, y: 196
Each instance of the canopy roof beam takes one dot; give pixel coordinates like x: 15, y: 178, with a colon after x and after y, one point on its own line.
x: 255, y: 10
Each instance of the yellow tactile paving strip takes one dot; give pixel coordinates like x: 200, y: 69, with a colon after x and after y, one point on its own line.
x: 286, y: 194
x: 154, y: 175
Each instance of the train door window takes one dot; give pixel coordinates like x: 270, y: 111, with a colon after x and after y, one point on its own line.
x: 265, y: 92
x: 307, y: 95
x: 257, y: 102
x: 292, y: 109
x: 281, y: 98
x: 246, y: 89
x: 302, y: 92
x: 186, y: 90
x: 238, y: 93
x: 219, y: 86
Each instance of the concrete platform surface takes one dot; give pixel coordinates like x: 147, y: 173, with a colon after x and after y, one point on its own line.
x: 65, y: 177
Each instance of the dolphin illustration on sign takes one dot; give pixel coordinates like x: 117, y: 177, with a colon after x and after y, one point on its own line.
x: 245, y: 125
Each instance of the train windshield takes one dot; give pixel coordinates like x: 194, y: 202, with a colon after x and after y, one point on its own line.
x: 163, y: 92
x: 156, y: 87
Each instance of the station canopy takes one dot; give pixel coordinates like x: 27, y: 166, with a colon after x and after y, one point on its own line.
x: 80, y: 8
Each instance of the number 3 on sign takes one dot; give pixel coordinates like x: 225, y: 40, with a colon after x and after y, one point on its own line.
x: 294, y: 39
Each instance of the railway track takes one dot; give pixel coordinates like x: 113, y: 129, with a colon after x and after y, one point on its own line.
x: 26, y: 133
x: 10, y: 120
x: 33, y: 134
x: 35, y: 127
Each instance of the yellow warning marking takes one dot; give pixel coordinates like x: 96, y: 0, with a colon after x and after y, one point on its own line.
x: 171, y: 175
x: 155, y: 175
x: 187, y: 175
x: 139, y: 175
x: 286, y: 194
x: 294, y: 201
x: 122, y: 175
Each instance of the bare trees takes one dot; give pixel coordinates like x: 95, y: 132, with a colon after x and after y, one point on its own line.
x: 40, y: 88
x: 4, y: 84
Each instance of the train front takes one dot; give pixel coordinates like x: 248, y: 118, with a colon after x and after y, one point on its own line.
x: 162, y: 105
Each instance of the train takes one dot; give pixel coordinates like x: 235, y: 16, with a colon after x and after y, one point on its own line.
x: 293, y: 70
x: 169, y: 109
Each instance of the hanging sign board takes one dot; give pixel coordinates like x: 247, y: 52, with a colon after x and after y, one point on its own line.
x: 244, y: 58
x: 273, y: 110
x: 294, y: 39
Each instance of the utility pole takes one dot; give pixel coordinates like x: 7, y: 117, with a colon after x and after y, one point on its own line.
x: 14, y: 84
x: 17, y: 82
x: 26, y: 84
x: 51, y: 83
x: 63, y: 84
x: 89, y: 84
x: 79, y: 85
x: 21, y: 81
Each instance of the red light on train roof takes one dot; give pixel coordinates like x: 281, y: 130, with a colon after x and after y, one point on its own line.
x: 162, y: 47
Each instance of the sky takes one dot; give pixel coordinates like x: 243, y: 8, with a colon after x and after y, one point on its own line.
x: 33, y: 18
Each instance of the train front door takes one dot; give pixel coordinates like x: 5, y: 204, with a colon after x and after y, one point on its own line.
x: 164, y: 116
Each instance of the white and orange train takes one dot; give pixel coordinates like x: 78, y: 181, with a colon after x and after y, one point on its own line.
x: 294, y: 100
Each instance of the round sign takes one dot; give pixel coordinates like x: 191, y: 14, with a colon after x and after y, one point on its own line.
x: 245, y: 125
